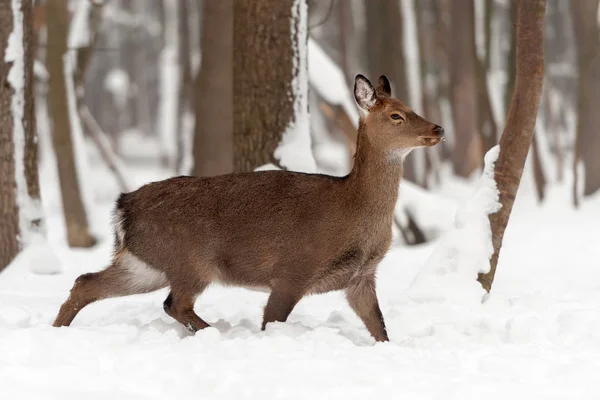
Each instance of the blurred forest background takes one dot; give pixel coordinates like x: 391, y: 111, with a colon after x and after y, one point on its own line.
x: 174, y: 77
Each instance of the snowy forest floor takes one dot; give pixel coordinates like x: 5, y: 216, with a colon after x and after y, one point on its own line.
x: 537, y: 336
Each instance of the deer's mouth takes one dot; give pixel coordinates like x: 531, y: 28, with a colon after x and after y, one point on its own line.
x: 431, y: 140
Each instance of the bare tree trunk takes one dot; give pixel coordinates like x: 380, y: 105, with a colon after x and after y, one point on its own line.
x: 20, y: 209
x: 520, y: 122
x: 512, y: 55
x: 385, y: 53
x: 170, y: 84
x: 385, y: 44
x: 587, y: 142
x: 213, y: 136
x: 466, y: 155
x: 538, y: 171
x: 430, y: 81
x: 344, y: 9
x: 185, y: 66
x: 76, y: 223
x: 263, y: 70
x: 488, y: 130
x: 425, y: 15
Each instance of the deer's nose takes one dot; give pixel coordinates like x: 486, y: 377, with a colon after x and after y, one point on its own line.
x: 439, y: 130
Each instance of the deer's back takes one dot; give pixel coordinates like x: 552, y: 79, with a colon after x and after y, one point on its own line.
x: 243, y: 225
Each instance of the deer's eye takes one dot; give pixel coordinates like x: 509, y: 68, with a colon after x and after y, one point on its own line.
x: 396, y: 117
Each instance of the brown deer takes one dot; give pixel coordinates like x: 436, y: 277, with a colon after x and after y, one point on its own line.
x: 290, y: 233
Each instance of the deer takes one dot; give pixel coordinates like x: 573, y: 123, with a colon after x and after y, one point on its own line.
x: 291, y: 234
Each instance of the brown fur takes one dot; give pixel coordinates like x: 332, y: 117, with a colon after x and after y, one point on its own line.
x: 291, y: 233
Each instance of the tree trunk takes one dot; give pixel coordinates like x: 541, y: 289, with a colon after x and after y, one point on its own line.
x: 587, y: 142
x: 170, y: 84
x: 76, y: 223
x: 266, y: 61
x: 430, y: 80
x: 512, y: 55
x: 385, y: 44
x: 487, y: 128
x: 466, y: 155
x: 520, y: 122
x: 213, y: 136
x: 538, y: 171
x: 185, y: 68
x: 20, y: 208
x: 385, y: 53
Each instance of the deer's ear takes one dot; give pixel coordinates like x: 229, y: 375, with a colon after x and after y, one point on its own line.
x: 384, y: 89
x: 364, y: 93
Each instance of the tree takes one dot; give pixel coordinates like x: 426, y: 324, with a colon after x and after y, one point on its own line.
x: 20, y: 208
x: 385, y: 44
x: 466, y: 155
x: 213, y: 134
x: 587, y: 142
x: 520, y: 122
x: 486, y: 123
x: 65, y: 120
x: 270, y: 84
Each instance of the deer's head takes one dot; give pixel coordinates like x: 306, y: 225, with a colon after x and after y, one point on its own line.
x: 390, y: 125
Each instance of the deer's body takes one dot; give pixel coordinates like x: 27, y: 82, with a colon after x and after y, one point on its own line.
x: 290, y: 233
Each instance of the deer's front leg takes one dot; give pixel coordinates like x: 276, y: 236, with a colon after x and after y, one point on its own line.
x: 362, y: 297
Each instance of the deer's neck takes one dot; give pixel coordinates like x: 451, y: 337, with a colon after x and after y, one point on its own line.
x: 375, y: 176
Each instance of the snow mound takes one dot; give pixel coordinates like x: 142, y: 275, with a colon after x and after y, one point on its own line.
x: 39, y: 257
x: 451, y: 271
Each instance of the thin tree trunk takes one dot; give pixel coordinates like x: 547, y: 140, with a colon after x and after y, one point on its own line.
x: 425, y: 20
x: 185, y: 67
x: 538, y: 171
x: 512, y: 55
x: 488, y: 130
x: 170, y: 84
x: 76, y: 222
x: 520, y: 122
x: 213, y: 133
x: 385, y: 53
x: 265, y: 63
x: 587, y: 142
x: 102, y: 143
x: 466, y: 155
x: 20, y: 209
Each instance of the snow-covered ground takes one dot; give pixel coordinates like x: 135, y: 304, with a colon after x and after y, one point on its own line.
x: 537, y: 336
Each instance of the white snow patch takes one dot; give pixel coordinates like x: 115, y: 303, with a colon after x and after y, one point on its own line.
x: 294, y: 152
x: 329, y: 81
x: 117, y: 83
x: 79, y: 31
x: 39, y: 258
x: 451, y: 271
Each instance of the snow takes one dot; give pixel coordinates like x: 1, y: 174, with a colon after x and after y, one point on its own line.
x: 329, y: 81
x: 117, y: 83
x: 79, y: 31
x: 294, y: 151
x: 536, y: 336
x: 451, y: 271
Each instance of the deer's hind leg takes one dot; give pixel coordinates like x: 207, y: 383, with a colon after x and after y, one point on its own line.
x: 180, y: 304
x: 126, y: 276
